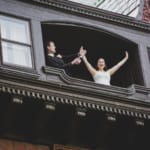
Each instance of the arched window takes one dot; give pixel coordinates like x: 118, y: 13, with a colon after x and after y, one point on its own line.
x: 69, y: 38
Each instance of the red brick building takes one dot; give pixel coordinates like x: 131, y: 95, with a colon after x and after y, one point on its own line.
x: 146, y: 11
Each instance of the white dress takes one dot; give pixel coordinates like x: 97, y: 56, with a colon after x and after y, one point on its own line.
x: 102, y: 77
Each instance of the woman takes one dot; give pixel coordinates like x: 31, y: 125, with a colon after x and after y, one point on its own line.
x: 101, y: 75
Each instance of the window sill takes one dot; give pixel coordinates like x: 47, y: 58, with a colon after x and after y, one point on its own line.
x: 133, y: 92
x: 86, y: 84
x: 16, y: 72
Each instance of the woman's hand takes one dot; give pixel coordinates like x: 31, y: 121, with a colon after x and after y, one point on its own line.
x: 113, y: 69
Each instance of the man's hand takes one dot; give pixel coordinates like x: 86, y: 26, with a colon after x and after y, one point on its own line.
x: 82, y: 52
x: 76, y: 61
x: 59, y: 56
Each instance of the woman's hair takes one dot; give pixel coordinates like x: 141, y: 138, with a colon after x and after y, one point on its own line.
x: 105, y: 68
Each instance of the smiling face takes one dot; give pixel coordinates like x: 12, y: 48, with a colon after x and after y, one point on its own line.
x: 101, y: 65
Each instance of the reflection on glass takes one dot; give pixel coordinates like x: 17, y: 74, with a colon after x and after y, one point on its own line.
x: 16, y: 54
x: 125, y: 7
x: 14, y: 29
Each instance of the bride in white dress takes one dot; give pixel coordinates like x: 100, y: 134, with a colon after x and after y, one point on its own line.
x: 101, y: 75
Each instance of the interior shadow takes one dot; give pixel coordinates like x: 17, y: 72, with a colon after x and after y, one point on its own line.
x: 98, y: 43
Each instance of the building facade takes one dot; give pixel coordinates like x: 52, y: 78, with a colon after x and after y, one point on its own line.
x: 43, y: 108
x: 146, y: 11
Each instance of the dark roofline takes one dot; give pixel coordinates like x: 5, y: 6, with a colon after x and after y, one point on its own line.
x: 96, y: 13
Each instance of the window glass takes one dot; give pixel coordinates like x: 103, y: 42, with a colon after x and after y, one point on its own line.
x: 16, y: 54
x: 14, y: 29
x: 15, y: 41
x: 125, y: 7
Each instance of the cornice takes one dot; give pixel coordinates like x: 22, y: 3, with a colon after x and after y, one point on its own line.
x: 94, y: 88
x: 22, y: 73
x: 45, y: 92
x: 94, y: 13
x: 75, y: 82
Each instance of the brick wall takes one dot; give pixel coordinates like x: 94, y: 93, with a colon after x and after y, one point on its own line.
x: 14, y: 145
x: 146, y: 11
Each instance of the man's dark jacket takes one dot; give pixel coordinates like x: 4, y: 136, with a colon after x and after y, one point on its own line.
x: 61, y: 62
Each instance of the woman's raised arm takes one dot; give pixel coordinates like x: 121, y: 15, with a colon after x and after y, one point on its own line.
x: 118, y: 65
x: 90, y: 68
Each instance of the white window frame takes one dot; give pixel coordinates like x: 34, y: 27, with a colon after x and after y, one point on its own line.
x: 27, y: 45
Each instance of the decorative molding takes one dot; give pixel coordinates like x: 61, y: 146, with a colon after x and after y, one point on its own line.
x: 96, y: 88
x: 59, y: 96
x: 81, y: 111
x: 50, y: 106
x: 95, y: 13
x: 141, y: 89
x: 17, y: 100
x: 8, y: 71
x: 111, y: 117
x: 139, y: 122
x: 88, y: 84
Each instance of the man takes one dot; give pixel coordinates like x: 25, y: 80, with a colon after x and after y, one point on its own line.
x: 58, y: 61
